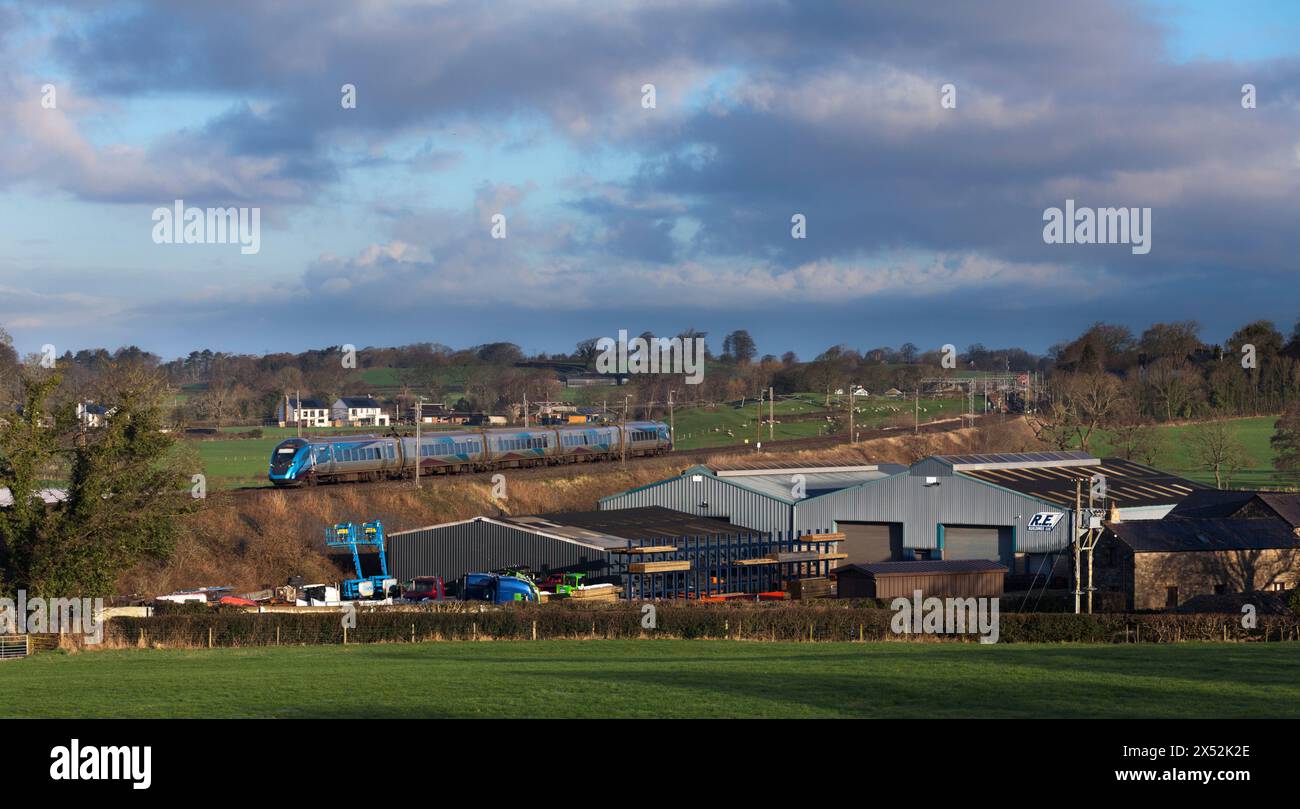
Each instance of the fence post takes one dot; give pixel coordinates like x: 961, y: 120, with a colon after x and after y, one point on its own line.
x: 412, y: 633
x: 810, y: 631
x: 534, y: 630
x: 27, y: 642
x: 345, y: 634
x: 277, y: 634
x: 209, y: 637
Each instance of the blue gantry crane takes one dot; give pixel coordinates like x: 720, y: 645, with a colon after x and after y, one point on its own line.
x: 346, y: 535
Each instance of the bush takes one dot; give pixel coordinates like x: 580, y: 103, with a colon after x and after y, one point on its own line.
x: 835, y: 621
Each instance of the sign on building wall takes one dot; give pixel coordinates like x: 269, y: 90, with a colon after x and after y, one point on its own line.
x: 1044, y: 520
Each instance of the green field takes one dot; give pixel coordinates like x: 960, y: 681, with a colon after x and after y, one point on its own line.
x: 649, y: 678
x: 1253, y: 433
x: 800, y: 417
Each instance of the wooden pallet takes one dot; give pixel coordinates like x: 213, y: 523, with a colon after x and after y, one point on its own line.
x: 837, y: 536
x: 647, y: 549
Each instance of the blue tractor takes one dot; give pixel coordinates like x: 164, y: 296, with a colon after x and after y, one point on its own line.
x: 345, y: 535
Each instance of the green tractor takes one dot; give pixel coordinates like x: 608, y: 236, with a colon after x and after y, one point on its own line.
x: 568, y: 583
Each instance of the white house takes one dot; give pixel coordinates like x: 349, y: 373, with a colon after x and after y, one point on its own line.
x: 93, y: 415
x: 310, y: 412
x: 359, y: 411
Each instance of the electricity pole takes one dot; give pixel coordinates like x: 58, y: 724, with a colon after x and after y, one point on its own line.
x: 851, y: 435
x: 419, y: 417
x: 771, y: 414
x: 672, y: 424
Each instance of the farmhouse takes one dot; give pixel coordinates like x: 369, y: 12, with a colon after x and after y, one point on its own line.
x: 308, y: 412
x: 1213, y: 544
x: 358, y: 411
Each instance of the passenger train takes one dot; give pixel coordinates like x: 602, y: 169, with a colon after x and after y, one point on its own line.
x: 299, y: 461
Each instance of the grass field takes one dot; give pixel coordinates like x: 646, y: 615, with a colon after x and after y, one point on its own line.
x: 662, y: 679
x: 1253, y: 433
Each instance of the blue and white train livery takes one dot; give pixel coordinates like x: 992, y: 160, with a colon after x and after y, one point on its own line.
x: 299, y: 461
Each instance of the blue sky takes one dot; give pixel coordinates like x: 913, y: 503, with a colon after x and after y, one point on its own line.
x: 924, y: 223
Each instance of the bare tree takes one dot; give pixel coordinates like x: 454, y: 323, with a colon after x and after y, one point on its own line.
x: 1215, y: 447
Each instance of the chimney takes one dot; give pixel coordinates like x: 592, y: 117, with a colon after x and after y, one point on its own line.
x: 1113, y: 516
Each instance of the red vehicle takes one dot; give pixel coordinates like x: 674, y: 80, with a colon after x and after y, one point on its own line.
x: 425, y: 588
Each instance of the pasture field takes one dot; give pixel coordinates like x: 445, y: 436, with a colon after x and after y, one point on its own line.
x: 1176, y: 454
x: 662, y: 678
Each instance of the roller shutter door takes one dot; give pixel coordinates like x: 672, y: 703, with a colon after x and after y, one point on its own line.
x: 866, y: 543
x: 968, y: 542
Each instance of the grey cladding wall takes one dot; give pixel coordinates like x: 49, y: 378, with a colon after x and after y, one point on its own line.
x: 452, y: 551
x: 956, y: 500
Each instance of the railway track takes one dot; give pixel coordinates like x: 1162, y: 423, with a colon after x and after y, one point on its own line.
x: 686, y: 457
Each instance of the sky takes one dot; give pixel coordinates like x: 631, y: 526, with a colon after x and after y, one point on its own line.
x: 923, y: 220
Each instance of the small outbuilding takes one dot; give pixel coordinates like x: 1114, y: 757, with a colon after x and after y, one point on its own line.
x: 955, y: 578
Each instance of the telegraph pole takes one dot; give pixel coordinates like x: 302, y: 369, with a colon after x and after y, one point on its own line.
x: 419, y: 417
x: 297, y: 415
x: 672, y: 424
x: 852, y: 437
x: 758, y: 422
x: 771, y: 414
x: 916, y: 413
x: 1075, y: 540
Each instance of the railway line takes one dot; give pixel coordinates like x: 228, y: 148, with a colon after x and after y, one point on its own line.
x: 687, y: 457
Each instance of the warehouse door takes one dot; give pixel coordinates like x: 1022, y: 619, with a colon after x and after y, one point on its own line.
x: 977, y: 542
x: 868, y: 542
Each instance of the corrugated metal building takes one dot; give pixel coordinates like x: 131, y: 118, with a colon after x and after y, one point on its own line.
x: 760, y: 499
x: 1013, y: 509
x: 702, y: 556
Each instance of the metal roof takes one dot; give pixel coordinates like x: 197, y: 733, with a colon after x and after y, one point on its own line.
x: 925, y: 566
x: 613, y: 528
x: 1011, y: 460
x: 816, y: 480
x: 1128, y: 483
x: 1214, y: 534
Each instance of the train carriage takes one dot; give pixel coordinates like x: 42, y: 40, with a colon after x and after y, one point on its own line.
x: 299, y: 461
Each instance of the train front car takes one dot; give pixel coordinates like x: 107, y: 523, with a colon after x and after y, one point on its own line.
x: 289, y: 462
x: 648, y: 438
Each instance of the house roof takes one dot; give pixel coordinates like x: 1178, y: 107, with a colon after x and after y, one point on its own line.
x: 359, y: 402
x: 49, y: 496
x: 1210, y: 534
x: 1211, y: 503
x: 308, y: 404
x: 923, y: 566
x: 1128, y: 483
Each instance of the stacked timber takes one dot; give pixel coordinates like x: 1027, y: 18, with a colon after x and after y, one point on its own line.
x: 659, y: 567
x: 803, y: 589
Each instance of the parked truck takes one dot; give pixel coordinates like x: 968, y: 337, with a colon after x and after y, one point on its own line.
x: 497, y: 589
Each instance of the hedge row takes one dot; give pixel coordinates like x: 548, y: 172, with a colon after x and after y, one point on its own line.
x: 739, y: 622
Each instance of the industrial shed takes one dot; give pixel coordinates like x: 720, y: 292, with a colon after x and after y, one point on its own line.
x: 959, y: 578
x: 574, y: 542
x: 653, y: 552
x: 757, y: 499
x: 1016, y: 509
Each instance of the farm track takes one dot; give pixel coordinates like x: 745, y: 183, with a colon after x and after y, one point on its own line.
x: 686, y: 457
